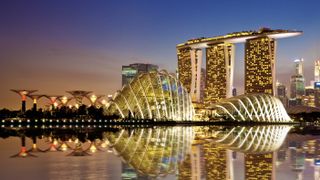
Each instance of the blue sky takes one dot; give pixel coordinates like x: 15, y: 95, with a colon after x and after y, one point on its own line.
x: 55, y: 46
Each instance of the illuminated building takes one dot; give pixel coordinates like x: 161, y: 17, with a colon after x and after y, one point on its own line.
x: 129, y: 72
x: 260, y: 65
x: 297, y: 84
x: 184, y: 67
x: 317, y: 94
x: 251, y: 107
x: 260, y: 47
x: 153, y: 95
x: 308, y: 98
x: 297, y: 87
x: 189, y: 68
x: 78, y: 95
x: 219, y: 66
x: 282, y: 94
x: 299, y: 66
x: 317, y: 71
x: 35, y: 98
x: 23, y: 94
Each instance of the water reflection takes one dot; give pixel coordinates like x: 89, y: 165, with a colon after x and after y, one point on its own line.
x: 211, y: 152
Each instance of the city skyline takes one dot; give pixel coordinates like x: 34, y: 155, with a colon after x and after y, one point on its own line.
x: 54, y: 49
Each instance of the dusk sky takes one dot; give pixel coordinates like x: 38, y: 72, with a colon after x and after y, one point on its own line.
x: 54, y: 46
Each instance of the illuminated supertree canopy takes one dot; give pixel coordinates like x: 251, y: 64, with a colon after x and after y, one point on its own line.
x: 153, y: 95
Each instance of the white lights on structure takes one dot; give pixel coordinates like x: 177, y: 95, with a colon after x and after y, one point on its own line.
x: 252, y: 107
x: 153, y: 95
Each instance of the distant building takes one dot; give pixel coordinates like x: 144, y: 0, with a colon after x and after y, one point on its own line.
x: 129, y: 72
x: 297, y: 85
x: 308, y: 98
x: 234, y: 92
x: 299, y: 66
x: 317, y: 94
x: 282, y: 94
x: 317, y: 71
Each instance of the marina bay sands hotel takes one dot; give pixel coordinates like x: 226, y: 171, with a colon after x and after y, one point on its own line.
x: 260, y: 60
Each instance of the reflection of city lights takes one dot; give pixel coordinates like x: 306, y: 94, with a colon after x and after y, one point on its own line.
x: 93, y: 148
x: 55, y: 142
x: 64, y: 147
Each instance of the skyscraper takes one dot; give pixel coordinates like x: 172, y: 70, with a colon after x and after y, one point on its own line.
x: 297, y: 82
x: 317, y: 94
x: 189, y: 68
x: 260, y: 65
x: 129, y: 72
x: 282, y: 94
x: 299, y: 66
x: 220, y: 59
x: 184, y: 67
x: 259, y: 78
x: 317, y: 71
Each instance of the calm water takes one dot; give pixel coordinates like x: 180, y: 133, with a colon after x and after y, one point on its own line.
x: 262, y: 152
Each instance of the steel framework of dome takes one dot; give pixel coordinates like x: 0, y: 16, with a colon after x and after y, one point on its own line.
x: 152, y: 152
x: 153, y: 95
x: 256, y: 139
x: 252, y: 107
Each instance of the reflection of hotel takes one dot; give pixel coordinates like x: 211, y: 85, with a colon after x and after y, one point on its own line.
x: 258, y: 166
x: 216, y: 161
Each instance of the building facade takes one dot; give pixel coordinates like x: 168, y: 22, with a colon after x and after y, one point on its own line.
x: 132, y: 70
x: 260, y: 65
x: 282, y: 94
x: 317, y: 71
x: 219, y: 65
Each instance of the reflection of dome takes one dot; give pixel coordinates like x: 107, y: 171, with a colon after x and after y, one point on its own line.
x: 252, y: 107
x: 153, y: 95
x: 257, y: 139
x: 153, y: 152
